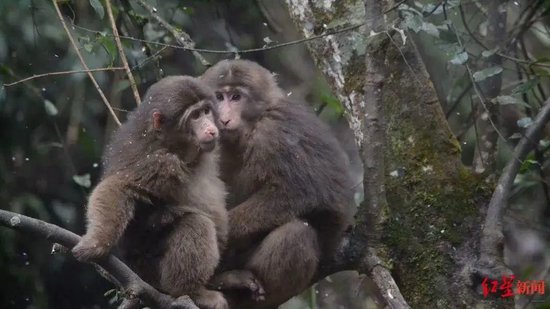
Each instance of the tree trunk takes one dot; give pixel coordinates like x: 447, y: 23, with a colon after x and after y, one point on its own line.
x: 430, y: 234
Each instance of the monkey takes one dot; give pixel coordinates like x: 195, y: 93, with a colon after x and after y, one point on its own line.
x: 289, y: 187
x: 160, y: 199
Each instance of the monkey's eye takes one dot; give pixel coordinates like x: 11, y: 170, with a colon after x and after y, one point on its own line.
x: 195, y: 115
x: 207, y: 110
x: 219, y: 96
x: 235, y: 97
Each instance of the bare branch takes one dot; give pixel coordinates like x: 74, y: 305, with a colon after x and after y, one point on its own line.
x: 128, y: 280
x: 62, y: 73
x: 181, y: 37
x: 491, y: 239
x: 121, y: 53
x: 73, y: 43
x: 328, y: 32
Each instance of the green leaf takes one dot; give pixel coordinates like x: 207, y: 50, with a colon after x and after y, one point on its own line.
x: 527, y: 164
x: 431, y: 8
x: 83, y: 180
x: 485, y: 73
x: 88, y: 47
x: 542, y: 60
x: 4, y: 70
x: 525, y: 122
x: 50, y: 108
x: 460, y: 58
x: 527, y: 86
x: 332, y: 103
x: 507, y: 100
x: 98, y: 7
x: 413, y: 22
x: 430, y: 29
x: 109, y: 45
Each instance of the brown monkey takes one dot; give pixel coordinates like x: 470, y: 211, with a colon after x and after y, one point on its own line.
x: 289, y: 187
x: 160, y: 197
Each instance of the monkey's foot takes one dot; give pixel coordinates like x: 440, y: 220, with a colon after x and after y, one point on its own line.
x: 130, y: 303
x: 207, y: 299
x: 239, y: 280
x: 87, y: 250
x: 183, y: 302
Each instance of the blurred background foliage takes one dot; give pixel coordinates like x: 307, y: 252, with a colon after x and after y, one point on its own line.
x: 53, y: 129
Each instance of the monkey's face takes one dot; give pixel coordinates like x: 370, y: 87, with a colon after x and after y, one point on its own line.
x: 236, y: 109
x: 195, y: 125
x: 200, y: 122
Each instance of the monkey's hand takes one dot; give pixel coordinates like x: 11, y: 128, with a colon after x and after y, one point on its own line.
x: 88, y: 249
x: 243, y: 280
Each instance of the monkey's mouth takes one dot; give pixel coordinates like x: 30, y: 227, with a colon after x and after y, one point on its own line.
x: 225, y: 132
x: 208, y: 146
x: 228, y: 129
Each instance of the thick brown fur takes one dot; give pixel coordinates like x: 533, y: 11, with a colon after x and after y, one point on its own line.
x: 160, y: 198
x: 290, y: 192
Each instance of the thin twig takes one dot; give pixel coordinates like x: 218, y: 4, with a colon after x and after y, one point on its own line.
x: 121, y: 53
x: 523, y: 61
x: 397, y: 5
x: 328, y: 32
x: 123, y: 275
x: 62, y: 73
x: 73, y: 43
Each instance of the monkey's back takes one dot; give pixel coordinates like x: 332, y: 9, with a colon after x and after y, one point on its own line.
x: 294, y: 152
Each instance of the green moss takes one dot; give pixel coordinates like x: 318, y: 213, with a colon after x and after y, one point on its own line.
x: 431, y: 196
x: 355, y: 75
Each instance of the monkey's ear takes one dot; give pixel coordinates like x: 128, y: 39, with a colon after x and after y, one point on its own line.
x: 158, y: 119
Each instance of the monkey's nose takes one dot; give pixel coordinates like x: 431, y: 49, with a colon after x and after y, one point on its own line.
x: 224, y: 122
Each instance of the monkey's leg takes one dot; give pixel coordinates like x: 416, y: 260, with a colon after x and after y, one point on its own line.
x: 191, y: 255
x: 285, y: 263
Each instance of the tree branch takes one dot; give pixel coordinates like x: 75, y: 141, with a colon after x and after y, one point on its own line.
x: 491, y: 238
x: 128, y: 280
x: 73, y: 43
x: 373, y: 152
x: 328, y: 32
x: 61, y: 73
x: 121, y: 53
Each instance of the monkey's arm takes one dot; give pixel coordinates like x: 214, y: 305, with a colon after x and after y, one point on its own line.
x: 259, y: 214
x: 110, y: 208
